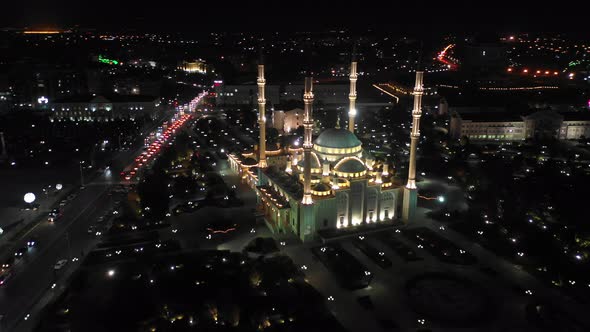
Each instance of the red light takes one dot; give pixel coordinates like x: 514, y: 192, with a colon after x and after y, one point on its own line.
x: 538, y: 71
x: 546, y: 72
x: 525, y: 71
x: 509, y: 69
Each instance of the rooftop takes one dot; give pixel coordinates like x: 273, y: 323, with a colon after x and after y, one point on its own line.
x: 491, y: 117
x: 337, y: 138
x: 109, y: 98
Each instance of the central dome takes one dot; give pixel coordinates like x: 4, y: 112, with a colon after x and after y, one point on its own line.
x: 337, y: 138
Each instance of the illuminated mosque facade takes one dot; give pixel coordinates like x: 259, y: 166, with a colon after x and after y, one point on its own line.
x: 328, y: 183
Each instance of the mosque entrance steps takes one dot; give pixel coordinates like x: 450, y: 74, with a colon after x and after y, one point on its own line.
x: 327, y: 235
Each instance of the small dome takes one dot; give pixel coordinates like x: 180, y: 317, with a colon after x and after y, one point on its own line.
x: 321, y: 187
x: 337, y: 138
x: 351, y: 166
x: 314, y: 161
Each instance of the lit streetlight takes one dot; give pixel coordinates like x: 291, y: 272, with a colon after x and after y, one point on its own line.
x: 29, y: 198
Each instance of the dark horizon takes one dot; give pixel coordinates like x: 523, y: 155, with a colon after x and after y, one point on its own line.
x: 460, y: 16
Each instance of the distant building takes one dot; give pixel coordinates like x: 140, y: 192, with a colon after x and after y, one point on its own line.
x: 562, y: 125
x: 443, y: 107
x: 103, y: 108
x: 194, y: 66
x: 504, y: 126
x: 245, y: 94
x: 487, y: 126
x: 323, y: 93
x: 287, y: 121
x: 575, y: 125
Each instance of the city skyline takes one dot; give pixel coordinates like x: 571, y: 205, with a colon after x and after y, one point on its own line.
x: 342, y: 167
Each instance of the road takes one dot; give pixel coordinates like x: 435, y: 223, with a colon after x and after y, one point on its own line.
x: 32, y: 277
x: 34, y: 273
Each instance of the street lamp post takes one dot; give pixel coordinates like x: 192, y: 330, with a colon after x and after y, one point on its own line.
x: 81, y: 175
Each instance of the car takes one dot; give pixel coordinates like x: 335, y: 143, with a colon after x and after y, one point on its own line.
x: 7, y: 264
x: 54, y: 215
x: 31, y: 242
x: 60, y: 263
x: 20, y: 252
x: 184, y: 208
x: 63, y: 203
x: 71, y: 197
x: 91, y: 229
x: 4, y: 277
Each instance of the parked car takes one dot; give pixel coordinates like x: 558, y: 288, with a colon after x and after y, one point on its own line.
x: 60, y: 263
x: 30, y: 206
x: 94, y: 230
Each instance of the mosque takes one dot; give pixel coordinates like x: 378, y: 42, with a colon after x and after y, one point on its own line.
x: 328, y: 183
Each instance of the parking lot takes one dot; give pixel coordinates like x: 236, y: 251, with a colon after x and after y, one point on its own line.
x: 401, y: 272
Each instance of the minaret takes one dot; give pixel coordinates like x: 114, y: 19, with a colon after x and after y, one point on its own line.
x: 262, y: 116
x: 352, y: 94
x: 307, y: 144
x: 410, y: 191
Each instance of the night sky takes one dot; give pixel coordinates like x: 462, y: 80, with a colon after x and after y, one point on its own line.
x: 195, y: 15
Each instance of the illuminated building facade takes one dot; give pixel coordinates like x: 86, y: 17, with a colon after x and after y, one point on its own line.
x: 328, y: 183
x: 487, y: 126
x: 244, y: 94
x: 103, y: 108
x: 509, y: 127
x: 195, y: 66
x: 287, y: 121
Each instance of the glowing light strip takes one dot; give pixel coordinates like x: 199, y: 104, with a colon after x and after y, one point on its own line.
x: 348, y: 158
x: 427, y: 198
x: 386, y: 92
x: 221, y: 231
x: 520, y: 88
x: 42, y: 32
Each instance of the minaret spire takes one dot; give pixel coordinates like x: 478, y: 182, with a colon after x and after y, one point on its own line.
x: 410, y: 194
x: 307, y: 144
x: 261, y: 111
x: 352, y: 94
